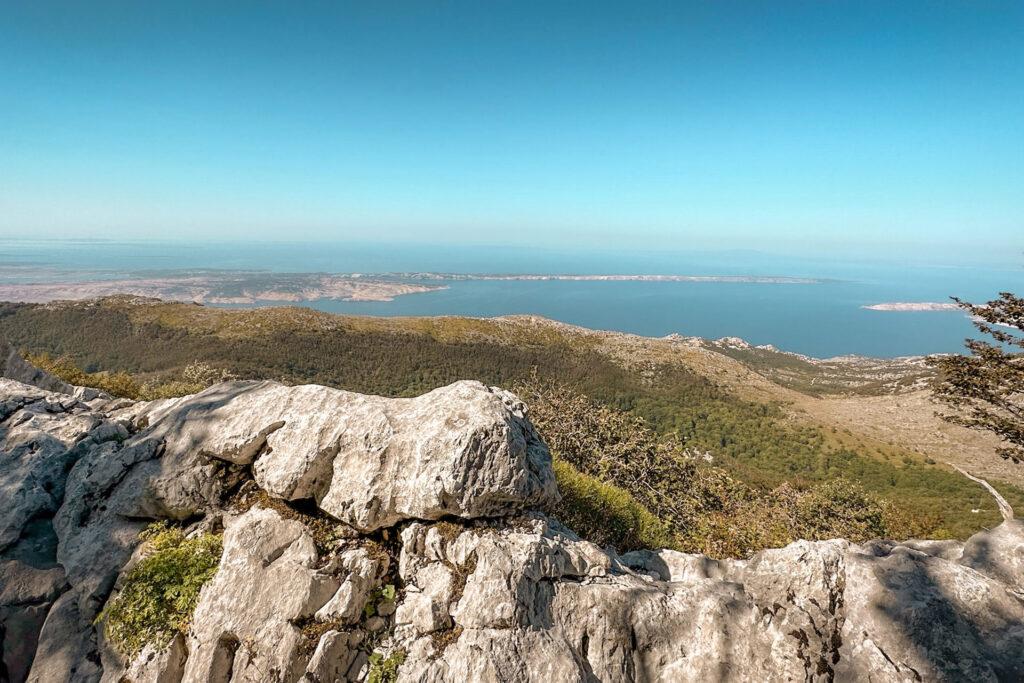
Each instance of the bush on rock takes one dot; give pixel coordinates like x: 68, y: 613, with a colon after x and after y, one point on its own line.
x: 161, y: 591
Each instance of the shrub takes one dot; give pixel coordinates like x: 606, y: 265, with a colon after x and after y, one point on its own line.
x: 195, y: 377
x: 835, y: 509
x: 606, y: 514
x: 116, y: 384
x: 385, y: 669
x: 843, y: 509
x: 626, y: 486
x: 618, y: 448
x: 161, y: 591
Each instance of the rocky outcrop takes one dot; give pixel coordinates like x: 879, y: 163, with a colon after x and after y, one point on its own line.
x: 13, y: 366
x: 362, y: 533
x: 540, y: 604
x: 370, y: 461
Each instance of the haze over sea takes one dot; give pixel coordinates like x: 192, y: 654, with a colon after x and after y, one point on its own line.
x: 823, y: 318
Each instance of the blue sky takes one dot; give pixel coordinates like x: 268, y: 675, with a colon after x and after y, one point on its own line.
x: 779, y: 125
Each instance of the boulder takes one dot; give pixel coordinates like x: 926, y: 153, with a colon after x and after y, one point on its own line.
x: 464, y: 450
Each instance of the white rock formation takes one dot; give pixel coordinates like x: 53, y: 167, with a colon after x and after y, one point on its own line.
x: 496, y: 591
x: 464, y: 449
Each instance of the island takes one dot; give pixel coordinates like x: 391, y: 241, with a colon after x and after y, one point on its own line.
x: 914, y: 306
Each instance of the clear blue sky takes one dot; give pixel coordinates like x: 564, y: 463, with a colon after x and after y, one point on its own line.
x: 765, y: 124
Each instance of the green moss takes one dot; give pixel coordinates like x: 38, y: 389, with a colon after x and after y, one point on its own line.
x: 161, y: 591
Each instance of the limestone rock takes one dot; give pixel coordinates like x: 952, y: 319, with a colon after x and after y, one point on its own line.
x: 42, y: 434
x: 26, y: 595
x: 154, y: 665
x: 333, y: 657
x: 540, y: 606
x: 495, y: 592
x: 245, y: 619
x: 363, y: 574
x: 463, y: 450
x: 14, y: 367
x: 67, y: 646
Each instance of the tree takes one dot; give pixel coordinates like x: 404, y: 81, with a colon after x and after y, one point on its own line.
x: 986, y: 389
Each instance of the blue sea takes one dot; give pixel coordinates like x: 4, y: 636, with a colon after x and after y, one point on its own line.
x: 821, y: 319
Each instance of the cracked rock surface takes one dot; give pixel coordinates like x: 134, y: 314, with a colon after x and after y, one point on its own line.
x: 413, y: 528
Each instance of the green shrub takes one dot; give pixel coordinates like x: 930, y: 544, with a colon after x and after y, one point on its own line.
x: 195, y: 377
x: 385, y: 669
x: 625, y: 485
x: 606, y: 514
x: 161, y: 591
x: 772, y: 519
x: 619, y: 448
x: 116, y: 384
x: 380, y: 595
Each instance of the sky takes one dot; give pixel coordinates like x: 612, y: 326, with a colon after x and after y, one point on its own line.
x: 785, y: 125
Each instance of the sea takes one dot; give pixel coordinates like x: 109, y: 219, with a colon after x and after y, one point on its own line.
x: 824, y: 318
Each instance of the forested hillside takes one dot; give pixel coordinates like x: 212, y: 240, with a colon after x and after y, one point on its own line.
x: 154, y: 342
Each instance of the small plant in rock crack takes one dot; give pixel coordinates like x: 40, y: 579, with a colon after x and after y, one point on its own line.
x: 161, y: 591
x: 381, y: 594
x: 385, y: 669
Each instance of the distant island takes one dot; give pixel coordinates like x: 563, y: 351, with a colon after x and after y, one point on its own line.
x: 241, y: 287
x: 761, y: 279
x: 914, y: 306
x: 220, y: 287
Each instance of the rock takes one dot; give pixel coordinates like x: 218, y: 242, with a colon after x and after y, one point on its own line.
x: 332, y: 658
x: 14, y: 367
x: 266, y: 583
x: 517, y: 597
x: 67, y: 651
x: 26, y: 596
x: 533, y: 609
x: 42, y: 436
x: 422, y: 613
x: 369, y: 461
x: 913, y: 616
x: 19, y: 637
x: 364, y: 572
x: 998, y: 553
x: 156, y: 666
x: 428, y: 611
x: 41, y: 441
x: 358, y: 667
